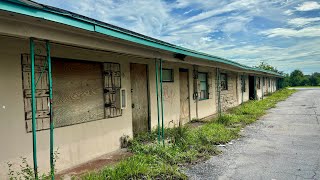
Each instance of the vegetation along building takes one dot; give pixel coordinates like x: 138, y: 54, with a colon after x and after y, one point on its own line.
x: 79, y: 85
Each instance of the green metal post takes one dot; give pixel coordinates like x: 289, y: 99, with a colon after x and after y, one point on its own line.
x: 161, y: 91
x: 50, y: 108
x: 33, y: 109
x: 157, y: 93
x: 242, y: 88
x: 262, y: 86
x: 218, y: 90
x: 255, y: 88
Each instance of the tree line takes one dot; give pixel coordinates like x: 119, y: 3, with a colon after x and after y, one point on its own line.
x: 295, y: 78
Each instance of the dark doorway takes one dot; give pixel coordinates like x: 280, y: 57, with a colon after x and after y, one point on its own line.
x: 251, y: 88
x: 139, y: 98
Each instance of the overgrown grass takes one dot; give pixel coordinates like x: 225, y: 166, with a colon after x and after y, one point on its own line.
x: 185, y: 145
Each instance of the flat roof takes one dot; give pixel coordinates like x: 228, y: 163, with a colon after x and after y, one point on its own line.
x: 37, y: 10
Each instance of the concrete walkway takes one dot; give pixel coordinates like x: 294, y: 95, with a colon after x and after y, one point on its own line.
x: 284, y: 144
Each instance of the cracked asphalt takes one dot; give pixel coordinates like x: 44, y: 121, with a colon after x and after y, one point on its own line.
x: 283, y: 144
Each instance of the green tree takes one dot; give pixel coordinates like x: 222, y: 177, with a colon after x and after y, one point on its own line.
x: 286, y: 81
x: 297, y: 78
x: 315, y: 79
x: 268, y: 67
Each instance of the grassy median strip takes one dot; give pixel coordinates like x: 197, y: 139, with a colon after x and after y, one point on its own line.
x: 185, y: 145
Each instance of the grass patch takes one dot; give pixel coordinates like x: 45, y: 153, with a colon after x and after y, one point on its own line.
x: 185, y: 145
x: 304, y: 87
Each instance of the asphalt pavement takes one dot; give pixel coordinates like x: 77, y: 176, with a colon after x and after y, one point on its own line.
x: 283, y: 144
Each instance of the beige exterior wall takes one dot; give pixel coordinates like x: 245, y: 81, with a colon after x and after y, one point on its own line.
x: 245, y: 94
x: 259, y: 88
x: 207, y: 107
x: 82, y: 142
x: 230, y: 97
x: 76, y: 143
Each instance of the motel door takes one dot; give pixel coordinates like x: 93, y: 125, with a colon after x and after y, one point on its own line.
x: 184, y: 96
x: 139, y: 98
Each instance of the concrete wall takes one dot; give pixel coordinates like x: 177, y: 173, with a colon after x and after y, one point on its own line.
x: 76, y: 143
x: 229, y: 98
x: 82, y: 142
x: 259, y: 88
x: 207, y: 107
x: 245, y: 94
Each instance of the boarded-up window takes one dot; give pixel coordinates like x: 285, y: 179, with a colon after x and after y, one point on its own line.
x: 82, y: 91
x: 77, y: 92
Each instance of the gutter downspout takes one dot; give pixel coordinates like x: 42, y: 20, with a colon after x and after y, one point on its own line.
x: 33, y: 109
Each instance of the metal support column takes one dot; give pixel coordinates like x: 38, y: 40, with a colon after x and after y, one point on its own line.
x: 161, y: 91
x: 255, y: 87
x: 33, y: 109
x: 262, y: 87
x: 242, y: 87
x: 50, y: 109
x: 157, y: 93
x: 218, y: 90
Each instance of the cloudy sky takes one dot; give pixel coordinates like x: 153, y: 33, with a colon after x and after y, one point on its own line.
x: 283, y: 33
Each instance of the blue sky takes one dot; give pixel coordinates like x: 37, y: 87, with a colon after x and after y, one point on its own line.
x: 282, y: 33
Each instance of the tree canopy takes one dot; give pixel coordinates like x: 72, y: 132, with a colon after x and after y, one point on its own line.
x: 295, y: 78
x: 268, y: 67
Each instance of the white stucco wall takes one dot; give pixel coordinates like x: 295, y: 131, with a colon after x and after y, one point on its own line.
x: 82, y: 142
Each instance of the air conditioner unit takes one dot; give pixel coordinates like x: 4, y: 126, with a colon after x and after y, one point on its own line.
x: 121, y: 99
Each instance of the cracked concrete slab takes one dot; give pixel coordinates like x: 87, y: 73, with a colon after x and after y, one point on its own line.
x: 283, y: 144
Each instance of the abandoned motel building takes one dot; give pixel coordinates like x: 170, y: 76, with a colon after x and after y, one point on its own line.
x: 78, y: 85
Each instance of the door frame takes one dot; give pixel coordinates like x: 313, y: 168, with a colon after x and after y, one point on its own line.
x: 189, y: 104
x: 252, y: 87
x: 148, y: 93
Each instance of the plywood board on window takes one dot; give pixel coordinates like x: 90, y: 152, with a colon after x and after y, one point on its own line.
x: 78, y: 92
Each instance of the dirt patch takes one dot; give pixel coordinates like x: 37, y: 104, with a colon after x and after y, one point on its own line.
x: 95, y: 164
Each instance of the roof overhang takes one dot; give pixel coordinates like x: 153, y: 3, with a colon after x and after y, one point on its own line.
x: 46, y: 13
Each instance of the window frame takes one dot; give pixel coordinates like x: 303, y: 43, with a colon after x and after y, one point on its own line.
x: 243, y: 83
x: 172, y: 74
x: 258, y: 83
x: 226, y: 82
x: 207, y: 86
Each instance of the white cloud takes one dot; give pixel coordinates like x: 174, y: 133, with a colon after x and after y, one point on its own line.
x: 285, y: 32
x: 303, y: 21
x: 308, y: 6
x: 212, y: 26
x: 288, y: 12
